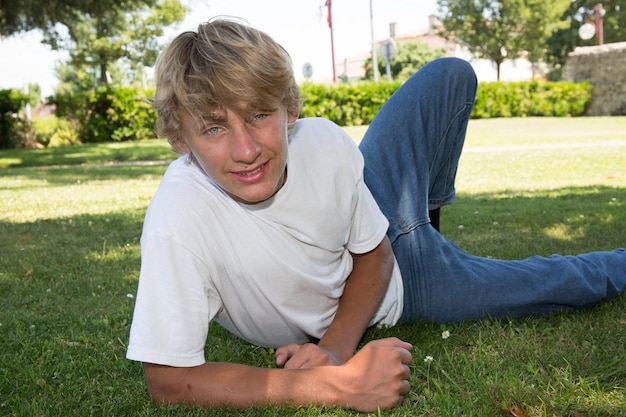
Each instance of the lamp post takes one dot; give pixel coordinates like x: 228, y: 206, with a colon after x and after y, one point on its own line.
x: 588, y: 30
x: 374, y: 59
x: 598, y: 12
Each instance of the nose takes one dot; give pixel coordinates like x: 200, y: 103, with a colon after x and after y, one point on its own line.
x: 245, y: 148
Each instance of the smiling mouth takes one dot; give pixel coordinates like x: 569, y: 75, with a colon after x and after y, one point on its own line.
x: 250, y: 173
x: 252, y: 176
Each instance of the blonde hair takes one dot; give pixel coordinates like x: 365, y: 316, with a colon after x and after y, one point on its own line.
x: 222, y: 65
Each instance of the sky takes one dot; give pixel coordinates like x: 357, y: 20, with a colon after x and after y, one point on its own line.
x: 300, y: 26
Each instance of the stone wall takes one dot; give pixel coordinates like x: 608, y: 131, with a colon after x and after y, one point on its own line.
x: 604, y: 67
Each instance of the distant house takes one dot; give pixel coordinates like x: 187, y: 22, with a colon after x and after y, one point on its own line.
x: 519, y: 69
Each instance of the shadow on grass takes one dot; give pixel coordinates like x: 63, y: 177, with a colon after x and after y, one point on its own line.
x: 67, y: 291
x: 512, y: 225
x: 73, y: 174
x: 148, y: 150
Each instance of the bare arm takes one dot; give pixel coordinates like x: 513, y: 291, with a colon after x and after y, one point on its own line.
x: 376, y: 377
x: 363, y: 293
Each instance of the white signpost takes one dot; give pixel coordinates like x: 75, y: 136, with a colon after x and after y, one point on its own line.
x: 387, y: 52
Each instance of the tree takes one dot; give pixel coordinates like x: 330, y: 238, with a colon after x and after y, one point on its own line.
x: 24, y: 15
x: 499, y: 30
x: 410, y: 56
x: 541, y: 19
x: 105, y: 37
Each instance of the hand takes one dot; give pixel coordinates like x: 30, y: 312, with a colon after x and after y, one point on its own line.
x: 377, y: 376
x: 309, y: 355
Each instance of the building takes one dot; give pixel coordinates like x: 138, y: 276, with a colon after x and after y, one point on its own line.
x: 519, y: 69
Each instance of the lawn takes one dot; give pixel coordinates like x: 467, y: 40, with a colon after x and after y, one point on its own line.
x: 70, y: 222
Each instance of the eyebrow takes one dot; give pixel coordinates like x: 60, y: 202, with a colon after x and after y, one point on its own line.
x: 212, y: 117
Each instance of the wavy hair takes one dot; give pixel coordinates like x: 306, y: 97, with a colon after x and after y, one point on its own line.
x: 222, y: 65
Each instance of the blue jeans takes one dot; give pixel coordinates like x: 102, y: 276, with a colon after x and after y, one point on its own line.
x: 411, y: 151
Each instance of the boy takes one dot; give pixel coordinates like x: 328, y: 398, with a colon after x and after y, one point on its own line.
x: 286, y: 234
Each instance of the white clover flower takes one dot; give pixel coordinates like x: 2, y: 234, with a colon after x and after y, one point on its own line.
x: 428, y: 359
x: 129, y: 295
x: 445, y: 334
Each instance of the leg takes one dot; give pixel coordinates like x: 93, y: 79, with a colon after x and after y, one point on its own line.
x: 413, y: 145
x: 445, y: 284
x: 411, y: 151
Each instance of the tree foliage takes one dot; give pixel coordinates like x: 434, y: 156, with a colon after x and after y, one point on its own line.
x: 410, y: 57
x: 101, y: 36
x: 504, y: 29
x: 24, y: 15
x: 109, y: 35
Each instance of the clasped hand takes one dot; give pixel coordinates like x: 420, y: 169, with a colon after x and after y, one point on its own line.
x: 377, y: 376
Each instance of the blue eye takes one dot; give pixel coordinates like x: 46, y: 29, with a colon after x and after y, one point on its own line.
x: 212, y: 130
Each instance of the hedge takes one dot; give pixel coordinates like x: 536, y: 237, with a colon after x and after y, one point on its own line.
x: 125, y: 114
x: 523, y: 99
x: 357, y: 103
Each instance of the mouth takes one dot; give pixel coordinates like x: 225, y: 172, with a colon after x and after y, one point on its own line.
x: 254, y: 171
x: 252, y: 175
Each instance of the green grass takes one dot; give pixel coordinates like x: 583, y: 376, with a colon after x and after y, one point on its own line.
x: 70, y: 224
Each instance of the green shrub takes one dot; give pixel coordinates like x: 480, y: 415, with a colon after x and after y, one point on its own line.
x: 53, y: 131
x: 523, y: 99
x: 11, y: 103
x: 355, y: 104
x: 347, y: 104
x: 125, y: 114
x: 109, y: 114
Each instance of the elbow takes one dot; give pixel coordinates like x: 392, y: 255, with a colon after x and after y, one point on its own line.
x: 164, y: 384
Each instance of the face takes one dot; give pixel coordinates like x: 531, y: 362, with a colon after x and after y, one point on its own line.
x: 246, y: 158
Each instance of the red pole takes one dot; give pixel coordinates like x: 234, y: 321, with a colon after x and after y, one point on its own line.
x: 597, y: 11
x: 332, y: 39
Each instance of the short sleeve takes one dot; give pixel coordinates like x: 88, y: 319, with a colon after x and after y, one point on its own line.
x: 174, y: 305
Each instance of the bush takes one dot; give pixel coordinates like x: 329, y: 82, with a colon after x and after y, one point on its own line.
x: 347, y: 104
x: 522, y: 99
x: 125, y: 114
x: 11, y: 103
x: 354, y: 104
x: 109, y: 114
x: 53, y: 131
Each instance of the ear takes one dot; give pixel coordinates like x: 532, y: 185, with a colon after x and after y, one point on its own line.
x: 180, y: 145
x: 292, y: 118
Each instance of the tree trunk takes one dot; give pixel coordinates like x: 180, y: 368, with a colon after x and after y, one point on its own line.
x: 104, y: 80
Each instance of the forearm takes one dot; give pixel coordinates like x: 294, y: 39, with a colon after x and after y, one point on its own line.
x: 373, y: 379
x: 215, y: 385
x: 364, y: 291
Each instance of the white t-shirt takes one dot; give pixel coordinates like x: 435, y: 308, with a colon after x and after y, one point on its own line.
x: 271, y: 273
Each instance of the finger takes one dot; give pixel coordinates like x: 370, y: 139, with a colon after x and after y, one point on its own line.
x: 406, y: 387
x: 406, y: 374
x: 295, y: 363
x: 284, y: 353
x: 393, y: 342
x: 299, y: 359
x: 405, y: 356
